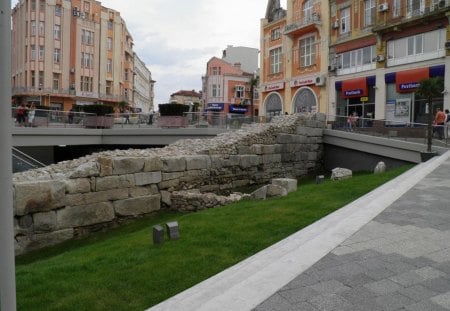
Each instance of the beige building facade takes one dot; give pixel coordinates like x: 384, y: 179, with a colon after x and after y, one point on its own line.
x: 70, y: 53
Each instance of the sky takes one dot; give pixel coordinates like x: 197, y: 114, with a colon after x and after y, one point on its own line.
x: 176, y: 38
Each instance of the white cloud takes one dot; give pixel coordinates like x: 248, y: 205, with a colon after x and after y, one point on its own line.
x: 175, y: 38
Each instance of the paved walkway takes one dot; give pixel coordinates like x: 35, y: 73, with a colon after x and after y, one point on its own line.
x: 389, y: 250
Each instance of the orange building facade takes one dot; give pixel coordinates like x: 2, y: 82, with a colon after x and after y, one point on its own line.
x: 294, y: 58
x: 70, y: 52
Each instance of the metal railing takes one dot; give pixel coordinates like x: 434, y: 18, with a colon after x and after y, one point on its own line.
x: 392, y: 129
x: 22, y: 162
x: 50, y: 118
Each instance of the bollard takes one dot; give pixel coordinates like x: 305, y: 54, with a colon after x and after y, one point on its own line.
x: 173, y: 230
x: 158, y: 234
x: 320, y: 179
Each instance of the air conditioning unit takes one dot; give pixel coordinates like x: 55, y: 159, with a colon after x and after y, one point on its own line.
x: 380, y: 58
x: 320, y: 80
x: 332, y: 68
x: 335, y: 24
x: 383, y: 7
x: 72, y: 70
x: 75, y: 11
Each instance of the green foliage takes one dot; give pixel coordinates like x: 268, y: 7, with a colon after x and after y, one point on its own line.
x: 173, y: 109
x: 99, y: 110
x: 123, y: 270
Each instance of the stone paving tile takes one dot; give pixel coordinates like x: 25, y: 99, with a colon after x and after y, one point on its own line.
x: 297, y: 295
x: 443, y: 300
x: 425, y: 305
x: 329, y: 287
x: 439, y: 285
x: 357, y: 280
x: 417, y: 276
x: 276, y: 303
x: 393, y: 301
x: 383, y: 287
x: 330, y: 302
x: 417, y: 292
x: 358, y: 296
x: 439, y: 256
x: 443, y: 266
x: 305, y: 279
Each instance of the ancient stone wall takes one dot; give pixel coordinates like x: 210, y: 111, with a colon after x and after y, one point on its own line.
x: 72, y: 198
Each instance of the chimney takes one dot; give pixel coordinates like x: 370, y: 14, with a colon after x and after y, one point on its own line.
x: 237, y: 65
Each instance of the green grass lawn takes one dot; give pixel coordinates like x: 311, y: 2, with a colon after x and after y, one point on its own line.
x: 123, y: 270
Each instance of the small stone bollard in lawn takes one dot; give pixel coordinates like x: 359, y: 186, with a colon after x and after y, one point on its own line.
x: 158, y: 234
x: 173, y: 230
x: 320, y: 179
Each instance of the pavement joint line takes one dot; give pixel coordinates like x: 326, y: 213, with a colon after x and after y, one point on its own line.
x: 247, y: 284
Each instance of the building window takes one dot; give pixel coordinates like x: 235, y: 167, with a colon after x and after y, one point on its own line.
x: 126, y: 75
x: 307, y: 52
x: 216, y: 71
x: 109, y: 43
x: 216, y: 90
x: 415, y: 7
x: 86, y: 84
x: 41, y: 80
x: 33, y: 52
x: 239, y: 91
x: 33, y: 5
x: 87, y: 60
x: 108, y: 87
x: 276, y: 34
x: 369, y: 12
x: 33, y: 78
x: 345, y: 20
x: 110, y: 25
x: 57, y: 56
x: 33, y: 28
x: 356, y: 60
x: 396, y: 7
x: 41, y: 28
x: 109, y: 65
x: 58, y: 10
x: 56, y: 81
x: 420, y: 47
x: 275, y: 60
x: 57, y: 32
x: 42, y: 5
x: 307, y: 10
x: 41, y: 52
x: 87, y: 37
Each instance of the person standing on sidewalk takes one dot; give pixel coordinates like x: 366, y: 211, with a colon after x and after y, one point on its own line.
x: 439, y: 120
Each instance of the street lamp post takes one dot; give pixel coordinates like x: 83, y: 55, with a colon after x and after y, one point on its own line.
x: 7, y: 267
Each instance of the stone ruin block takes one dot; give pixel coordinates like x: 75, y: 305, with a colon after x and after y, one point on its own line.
x: 339, y: 173
x: 289, y: 184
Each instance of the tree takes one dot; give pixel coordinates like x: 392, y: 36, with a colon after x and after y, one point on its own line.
x: 429, y: 89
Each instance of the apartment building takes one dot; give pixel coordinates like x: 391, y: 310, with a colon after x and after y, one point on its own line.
x: 294, y: 57
x: 143, y: 93
x: 229, y: 89
x: 191, y: 98
x: 246, y: 56
x: 380, y: 50
x: 70, y: 52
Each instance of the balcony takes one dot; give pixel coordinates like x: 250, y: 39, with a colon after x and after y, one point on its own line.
x: 304, y: 24
x: 392, y: 18
x: 31, y: 91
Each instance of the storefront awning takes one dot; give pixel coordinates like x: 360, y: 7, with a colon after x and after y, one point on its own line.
x: 408, y: 81
x: 354, y: 88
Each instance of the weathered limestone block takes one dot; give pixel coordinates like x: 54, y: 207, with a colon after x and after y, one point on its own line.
x: 276, y: 191
x: 107, y: 195
x: 44, y: 222
x: 28, y: 243
x: 308, y: 131
x: 380, y: 168
x: 244, y: 150
x: 122, y: 166
x: 285, y: 139
x: 198, y: 162
x: 271, y: 158
x: 174, y: 164
x: 137, y: 206
x: 233, y: 160
x: 169, y: 184
x: 289, y: 184
x: 166, y: 198
x: 114, y: 182
x: 153, y: 164
x: 300, y: 139
x: 259, y: 194
x: 106, y: 166
x: 216, y: 161
x: 87, y: 169
x: 312, y: 156
x: 339, y: 173
x: 172, y: 176
x: 147, y: 178
x: 249, y: 160
x: 85, y: 215
x: 241, y: 183
x: 32, y: 197
x: 79, y: 185
x: 140, y: 192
